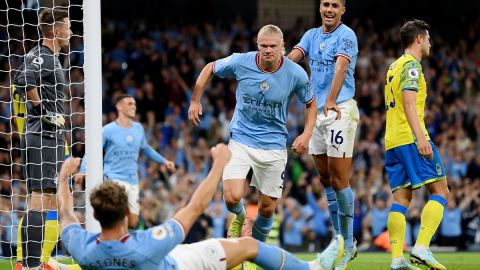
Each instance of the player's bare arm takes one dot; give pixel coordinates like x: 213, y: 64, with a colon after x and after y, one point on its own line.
x: 295, y: 55
x: 409, y: 101
x: 65, y: 199
x: 203, y: 195
x: 195, y: 109
x: 301, y: 142
x: 341, y: 68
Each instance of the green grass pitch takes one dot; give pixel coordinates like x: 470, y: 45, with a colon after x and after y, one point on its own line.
x: 381, y: 261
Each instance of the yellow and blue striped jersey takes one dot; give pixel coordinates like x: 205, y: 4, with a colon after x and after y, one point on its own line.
x: 403, y: 74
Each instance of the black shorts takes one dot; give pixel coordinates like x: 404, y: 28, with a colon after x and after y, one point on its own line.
x: 42, y: 158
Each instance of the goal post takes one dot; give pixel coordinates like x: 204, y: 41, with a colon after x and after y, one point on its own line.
x: 93, y: 104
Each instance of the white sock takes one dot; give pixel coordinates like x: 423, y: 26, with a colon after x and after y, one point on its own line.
x: 420, y: 248
x: 398, y: 260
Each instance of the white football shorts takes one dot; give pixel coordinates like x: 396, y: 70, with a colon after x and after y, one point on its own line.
x: 133, y: 193
x: 268, y: 167
x: 208, y: 254
x: 335, y: 137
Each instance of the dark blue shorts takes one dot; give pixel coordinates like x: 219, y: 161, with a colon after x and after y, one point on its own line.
x: 406, y: 167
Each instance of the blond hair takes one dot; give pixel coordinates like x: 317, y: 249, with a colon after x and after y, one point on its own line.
x: 270, y: 29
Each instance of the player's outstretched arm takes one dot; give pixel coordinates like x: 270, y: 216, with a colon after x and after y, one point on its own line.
x: 65, y: 200
x: 202, y: 197
x: 154, y: 155
x: 203, y: 79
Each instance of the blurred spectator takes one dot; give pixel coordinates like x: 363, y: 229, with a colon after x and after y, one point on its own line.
x: 158, y: 63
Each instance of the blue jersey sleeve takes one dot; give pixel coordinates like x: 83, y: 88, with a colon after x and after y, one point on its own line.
x: 347, y: 45
x: 73, y: 237
x: 304, y: 89
x: 226, y: 67
x: 160, y: 240
x: 304, y: 44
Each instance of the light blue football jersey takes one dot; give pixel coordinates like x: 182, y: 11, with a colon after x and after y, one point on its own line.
x: 322, y: 50
x: 121, y: 148
x: 143, y: 250
x: 260, y: 117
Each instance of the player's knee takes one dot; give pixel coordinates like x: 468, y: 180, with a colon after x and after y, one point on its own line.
x: 325, y: 179
x: 404, y: 201
x: 232, y: 197
x: 249, y: 247
x: 445, y: 192
x: 267, y: 210
x: 338, y: 183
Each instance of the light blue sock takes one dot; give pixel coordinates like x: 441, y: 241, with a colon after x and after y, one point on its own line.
x: 333, y: 207
x: 345, y: 215
x: 238, y: 209
x: 271, y: 257
x: 262, y: 227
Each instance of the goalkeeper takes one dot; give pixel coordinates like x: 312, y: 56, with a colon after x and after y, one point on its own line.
x: 38, y: 86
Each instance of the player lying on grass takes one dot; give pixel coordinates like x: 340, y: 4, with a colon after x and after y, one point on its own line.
x: 159, y: 247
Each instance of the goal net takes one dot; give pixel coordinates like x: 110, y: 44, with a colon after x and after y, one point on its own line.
x: 19, y: 34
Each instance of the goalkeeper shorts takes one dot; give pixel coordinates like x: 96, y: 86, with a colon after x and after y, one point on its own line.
x: 42, y: 158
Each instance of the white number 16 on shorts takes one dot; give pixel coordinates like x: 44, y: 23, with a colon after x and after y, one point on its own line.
x: 335, y: 137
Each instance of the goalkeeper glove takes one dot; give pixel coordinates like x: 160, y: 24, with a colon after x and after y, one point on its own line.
x: 47, y: 116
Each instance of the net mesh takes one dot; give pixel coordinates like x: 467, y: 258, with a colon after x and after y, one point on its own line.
x: 19, y: 33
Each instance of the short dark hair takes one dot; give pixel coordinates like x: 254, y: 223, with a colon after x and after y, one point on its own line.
x: 343, y: 1
x: 121, y: 97
x: 48, y: 17
x: 411, y: 29
x: 110, y: 203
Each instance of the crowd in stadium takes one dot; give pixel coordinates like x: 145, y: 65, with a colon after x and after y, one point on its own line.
x: 158, y: 66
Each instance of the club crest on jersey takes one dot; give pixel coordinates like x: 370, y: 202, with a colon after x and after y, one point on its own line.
x: 129, y: 138
x: 439, y: 168
x: 322, y: 45
x: 159, y: 233
x: 264, y: 86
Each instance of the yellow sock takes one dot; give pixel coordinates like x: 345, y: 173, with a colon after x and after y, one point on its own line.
x: 19, y: 242
x: 396, y: 226
x: 432, y: 215
x: 50, y: 235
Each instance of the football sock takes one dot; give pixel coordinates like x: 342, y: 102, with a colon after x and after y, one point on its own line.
x: 32, y: 237
x: 345, y: 215
x: 19, y: 241
x: 262, y: 227
x: 396, y: 225
x: 271, y: 257
x: 51, y: 234
x: 432, y: 215
x: 237, y: 209
x: 333, y: 207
